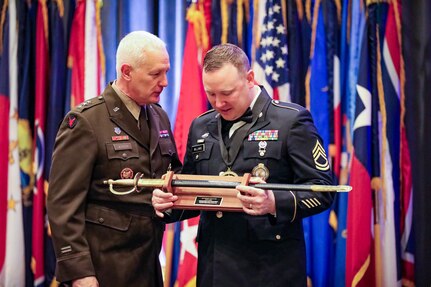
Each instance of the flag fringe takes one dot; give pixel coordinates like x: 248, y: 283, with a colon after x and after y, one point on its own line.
x: 2, y: 19
x: 196, y: 17
x: 312, y: 46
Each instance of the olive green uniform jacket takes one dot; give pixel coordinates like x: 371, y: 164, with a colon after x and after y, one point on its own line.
x: 116, y: 238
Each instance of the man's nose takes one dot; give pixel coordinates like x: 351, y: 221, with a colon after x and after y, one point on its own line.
x: 164, y: 81
x: 219, y: 103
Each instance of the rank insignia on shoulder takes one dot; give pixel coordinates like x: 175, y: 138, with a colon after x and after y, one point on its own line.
x: 319, y: 157
x: 71, y: 121
x: 164, y: 134
x: 263, y: 135
x: 284, y: 105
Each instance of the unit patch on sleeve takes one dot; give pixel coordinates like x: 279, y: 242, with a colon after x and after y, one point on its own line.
x: 71, y: 121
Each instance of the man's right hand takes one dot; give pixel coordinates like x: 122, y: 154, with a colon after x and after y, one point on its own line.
x: 89, y: 281
x: 162, y: 201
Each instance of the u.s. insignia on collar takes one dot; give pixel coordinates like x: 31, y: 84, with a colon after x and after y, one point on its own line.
x: 319, y: 156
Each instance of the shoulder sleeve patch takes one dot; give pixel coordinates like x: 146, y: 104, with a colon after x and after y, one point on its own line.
x: 71, y: 121
x: 89, y: 104
x: 285, y: 105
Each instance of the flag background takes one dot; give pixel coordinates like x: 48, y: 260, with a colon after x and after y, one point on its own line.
x: 66, y: 53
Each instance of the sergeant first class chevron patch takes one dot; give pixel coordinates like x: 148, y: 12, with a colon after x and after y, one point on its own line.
x: 319, y: 156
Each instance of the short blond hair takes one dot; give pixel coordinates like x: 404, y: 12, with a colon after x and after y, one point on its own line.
x: 226, y: 54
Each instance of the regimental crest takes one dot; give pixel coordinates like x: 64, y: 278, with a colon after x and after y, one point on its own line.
x: 126, y: 173
x: 117, y: 130
x: 319, y: 157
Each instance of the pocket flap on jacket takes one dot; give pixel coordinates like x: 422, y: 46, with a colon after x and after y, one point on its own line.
x: 108, y: 217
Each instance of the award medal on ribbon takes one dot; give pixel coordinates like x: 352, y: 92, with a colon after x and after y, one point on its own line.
x: 261, y: 171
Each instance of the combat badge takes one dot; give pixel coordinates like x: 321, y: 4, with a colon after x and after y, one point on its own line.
x: 261, y: 171
x: 319, y: 157
x: 71, y: 122
x: 126, y: 173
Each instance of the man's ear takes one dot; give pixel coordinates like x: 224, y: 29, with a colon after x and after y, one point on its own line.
x: 250, y: 79
x: 126, y: 70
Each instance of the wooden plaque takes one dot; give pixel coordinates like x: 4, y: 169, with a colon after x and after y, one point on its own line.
x: 197, y: 198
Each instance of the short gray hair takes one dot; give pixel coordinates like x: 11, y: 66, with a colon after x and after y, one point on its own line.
x: 131, y: 49
x: 223, y: 54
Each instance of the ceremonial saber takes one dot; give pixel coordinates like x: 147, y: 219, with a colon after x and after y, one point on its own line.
x: 207, y: 182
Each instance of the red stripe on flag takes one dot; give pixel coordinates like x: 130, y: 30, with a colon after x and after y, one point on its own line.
x: 188, y: 261
x: 406, y: 206
x: 77, y: 55
x: 337, y: 141
x: 359, y: 271
x: 276, y: 95
x: 41, y: 90
x: 192, y: 100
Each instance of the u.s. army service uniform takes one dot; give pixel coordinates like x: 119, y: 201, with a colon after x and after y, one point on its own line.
x: 236, y: 249
x: 116, y: 238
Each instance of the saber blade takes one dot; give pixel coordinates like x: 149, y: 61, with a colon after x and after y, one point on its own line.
x: 158, y: 183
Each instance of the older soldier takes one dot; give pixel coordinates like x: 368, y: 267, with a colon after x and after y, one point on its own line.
x: 101, y: 238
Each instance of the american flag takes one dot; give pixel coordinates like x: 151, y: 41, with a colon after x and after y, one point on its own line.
x: 271, y: 61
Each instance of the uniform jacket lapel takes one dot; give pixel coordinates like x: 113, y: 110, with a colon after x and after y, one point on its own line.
x: 121, y: 116
x: 261, y: 106
x: 213, y: 126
